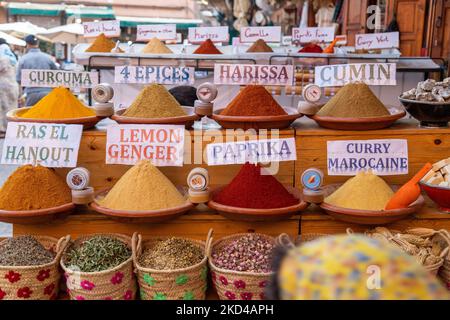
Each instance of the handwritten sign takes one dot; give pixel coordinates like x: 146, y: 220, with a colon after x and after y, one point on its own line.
x: 154, y: 74
x: 377, y: 41
x: 243, y: 74
x: 383, y: 157
x: 111, y: 28
x: 268, y: 34
x: 130, y: 143
x: 306, y: 35
x: 216, y: 34
x: 272, y: 150
x: 47, y: 144
x: 161, y: 31
x: 56, y: 78
x: 376, y: 74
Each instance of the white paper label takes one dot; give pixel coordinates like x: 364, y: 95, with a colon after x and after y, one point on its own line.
x: 154, y: 74
x: 306, y: 35
x: 268, y: 34
x: 377, y: 41
x: 374, y: 74
x: 57, y: 78
x: 216, y: 34
x: 47, y: 144
x: 243, y: 74
x: 161, y: 31
x: 383, y: 157
x: 271, y: 150
x: 110, y: 28
x: 130, y: 143
x: 6, y: 230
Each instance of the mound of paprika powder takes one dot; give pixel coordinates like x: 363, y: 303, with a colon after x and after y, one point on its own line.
x: 253, y: 189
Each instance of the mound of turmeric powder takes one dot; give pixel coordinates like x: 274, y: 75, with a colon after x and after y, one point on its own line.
x: 102, y: 44
x: 33, y: 188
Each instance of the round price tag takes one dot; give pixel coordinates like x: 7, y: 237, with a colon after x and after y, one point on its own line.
x: 312, y: 93
x: 207, y: 92
x: 198, y: 179
x: 78, y: 179
x: 312, y: 179
x: 102, y: 93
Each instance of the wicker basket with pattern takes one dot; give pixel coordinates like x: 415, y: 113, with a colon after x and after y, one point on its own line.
x: 237, y: 285
x: 34, y: 282
x: 113, y: 284
x: 444, y: 272
x: 181, y: 284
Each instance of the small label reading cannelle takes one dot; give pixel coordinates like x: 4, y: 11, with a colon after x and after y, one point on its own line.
x: 268, y: 34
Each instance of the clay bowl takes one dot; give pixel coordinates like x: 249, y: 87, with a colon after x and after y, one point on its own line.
x: 440, y: 195
x: 369, y: 217
x: 245, y: 214
x: 266, y: 122
x: 36, y: 216
x: 430, y: 114
x: 151, y: 216
x: 359, y: 124
x: 87, y: 122
x: 187, y: 120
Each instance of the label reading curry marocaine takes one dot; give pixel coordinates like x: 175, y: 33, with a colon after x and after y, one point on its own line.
x: 130, y: 143
x: 57, y: 78
x: 383, y: 157
x: 244, y: 74
x: 154, y: 74
x: 374, y: 74
x: 47, y: 144
x: 269, y: 150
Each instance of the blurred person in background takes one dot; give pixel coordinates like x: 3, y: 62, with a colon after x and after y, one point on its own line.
x: 5, y: 51
x: 34, y: 59
x: 9, y: 91
x: 351, y: 267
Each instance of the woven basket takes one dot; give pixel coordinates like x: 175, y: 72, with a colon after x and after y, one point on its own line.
x: 180, y: 284
x: 236, y: 285
x: 307, y: 237
x: 34, y: 282
x: 444, y: 272
x: 113, y: 284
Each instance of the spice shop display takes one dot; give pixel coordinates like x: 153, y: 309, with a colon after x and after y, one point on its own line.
x: 207, y: 47
x: 254, y: 107
x: 241, y: 266
x: 436, y: 184
x: 58, y: 106
x: 355, y: 107
x: 259, y: 46
x: 99, y: 267
x: 171, y: 268
x: 34, y: 194
x: 102, y: 44
x: 155, y: 105
x: 335, y: 268
x: 255, y: 195
x: 429, y: 103
x: 156, y: 46
x: 143, y: 192
x: 29, y: 267
x: 363, y: 199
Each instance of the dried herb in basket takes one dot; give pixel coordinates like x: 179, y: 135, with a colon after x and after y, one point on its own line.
x: 24, y: 251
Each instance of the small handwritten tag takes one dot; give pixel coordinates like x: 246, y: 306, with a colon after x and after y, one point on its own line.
x: 268, y: 34
x: 110, y: 28
x: 215, y: 34
x: 161, y: 31
x: 306, y: 35
x: 377, y: 41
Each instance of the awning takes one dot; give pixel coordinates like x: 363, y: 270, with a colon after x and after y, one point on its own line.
x: 181, y: 23
x: 34, y: 9
x: 90, y: 12
x: 12, y: 40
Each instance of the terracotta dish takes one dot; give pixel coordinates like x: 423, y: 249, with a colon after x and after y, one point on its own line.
x: 36, y: 216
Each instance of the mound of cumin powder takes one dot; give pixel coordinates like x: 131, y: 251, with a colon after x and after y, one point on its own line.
x: 253, y: 100
x: 259, y: 46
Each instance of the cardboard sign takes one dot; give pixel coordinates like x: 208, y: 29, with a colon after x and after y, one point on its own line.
x: 375, y: 74
x: 306, y: 35
x: 253, y: 151
x: 161, y: 31
x: 130, y: 143
x: 57, y: 78
x: 243, y: 74
x: 383, y: 157
x: 47, y: 144
x: 377, y: 41
x: 154, y: 74
x: 111, y: 28
x: 268, y: 34
x: 216, y: 34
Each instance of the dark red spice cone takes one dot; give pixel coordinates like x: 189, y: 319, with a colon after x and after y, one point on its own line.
x: 207, y: 47
x: 251, y: 189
